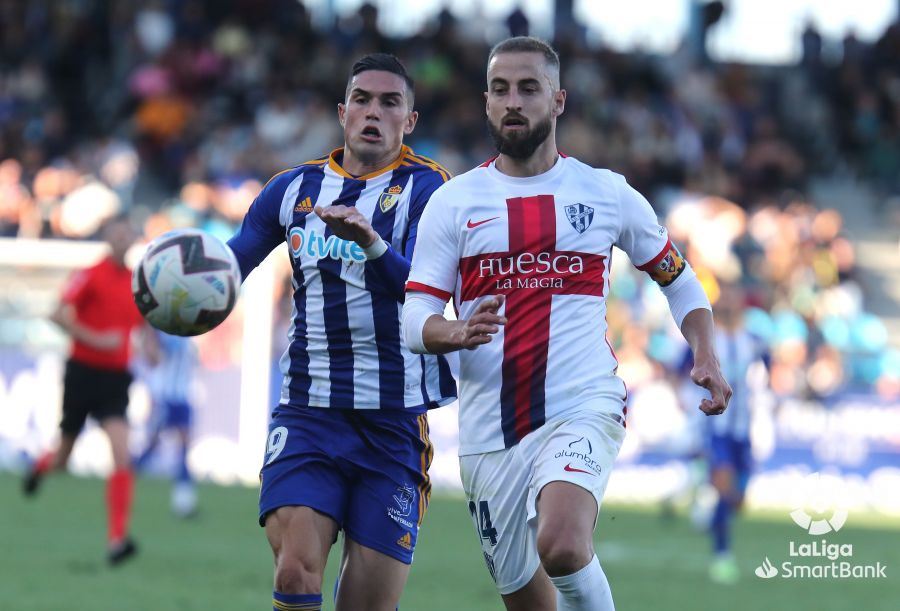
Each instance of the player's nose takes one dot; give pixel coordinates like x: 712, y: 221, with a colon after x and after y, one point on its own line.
x: 373, y: 110
x: 513, y: 101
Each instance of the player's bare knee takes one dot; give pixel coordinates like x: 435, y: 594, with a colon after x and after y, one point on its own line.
x: 563, y: 553
x: 293, y: 575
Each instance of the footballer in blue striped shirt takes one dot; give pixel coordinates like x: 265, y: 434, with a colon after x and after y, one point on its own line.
x: 348, y: 445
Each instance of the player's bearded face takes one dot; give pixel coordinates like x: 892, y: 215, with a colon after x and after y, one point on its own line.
x: 519, y: 143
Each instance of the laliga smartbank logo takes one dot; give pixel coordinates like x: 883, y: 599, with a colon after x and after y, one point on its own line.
x: 819, y: 510
x: 823, y: 511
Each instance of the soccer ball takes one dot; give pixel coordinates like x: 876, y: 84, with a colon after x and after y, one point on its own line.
x: 186, y: 283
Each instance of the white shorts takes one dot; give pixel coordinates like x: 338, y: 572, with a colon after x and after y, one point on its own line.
x: 502, y: 487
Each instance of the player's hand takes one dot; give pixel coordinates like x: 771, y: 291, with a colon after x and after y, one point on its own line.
x: 484, y: 323
x: 706, y: 373
x: 348, y: 223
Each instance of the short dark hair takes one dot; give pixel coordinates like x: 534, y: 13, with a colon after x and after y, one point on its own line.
x: 526, y: 44
x: 387, y: 63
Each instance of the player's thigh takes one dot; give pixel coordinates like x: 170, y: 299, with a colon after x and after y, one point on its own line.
x: 579, y: 451
x: 721, y: 465
x: 496, y: 486
x: 566, y: 516
x: 743, y: 465
x: 300, y: 536
x: 369, y: 580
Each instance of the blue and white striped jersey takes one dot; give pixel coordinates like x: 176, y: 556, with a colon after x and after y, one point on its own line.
x: 738, y: 352
x: 169, y: 381
x: 345, y: 347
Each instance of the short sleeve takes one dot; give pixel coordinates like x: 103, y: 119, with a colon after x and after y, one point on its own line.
x: 435, y: 263
x: 645, y: 241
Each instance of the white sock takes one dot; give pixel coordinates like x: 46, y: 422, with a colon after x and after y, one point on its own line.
x: 585, y: 590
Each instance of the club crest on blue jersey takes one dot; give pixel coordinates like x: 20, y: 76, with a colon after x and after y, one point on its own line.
x: 580, y: 216
x: 389, y: 198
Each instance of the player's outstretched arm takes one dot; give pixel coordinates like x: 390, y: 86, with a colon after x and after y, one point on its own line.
x: 427, y: 331
x: 699, y: 332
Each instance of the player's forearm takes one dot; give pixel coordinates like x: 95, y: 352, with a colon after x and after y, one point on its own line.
x: 390, y: 268
x: 699, y: 331
x: 419, y: 310
x: 441, y: 336
x: 64, y: 317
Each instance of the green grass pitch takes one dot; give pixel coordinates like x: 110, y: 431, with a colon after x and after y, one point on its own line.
x: 52, y: 546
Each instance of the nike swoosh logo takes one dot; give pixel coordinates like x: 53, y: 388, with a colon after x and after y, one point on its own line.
x: 572, y: 469
x: 472, y: 225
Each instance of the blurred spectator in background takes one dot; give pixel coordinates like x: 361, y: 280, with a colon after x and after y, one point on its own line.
x: 728, y: 438
x: 172, y: 363
x: 98, y: 312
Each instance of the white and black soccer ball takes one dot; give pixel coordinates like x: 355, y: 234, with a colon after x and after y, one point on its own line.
x: 186, y: 283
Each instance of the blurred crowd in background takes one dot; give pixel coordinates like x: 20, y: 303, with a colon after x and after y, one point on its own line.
x: 178, y: 111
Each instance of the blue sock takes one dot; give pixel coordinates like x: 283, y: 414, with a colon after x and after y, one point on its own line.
x: 183, y: 474
x: 296, y: 602
x: 721, y: 526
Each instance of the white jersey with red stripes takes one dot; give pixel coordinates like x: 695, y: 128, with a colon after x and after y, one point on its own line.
x: 545, y: 243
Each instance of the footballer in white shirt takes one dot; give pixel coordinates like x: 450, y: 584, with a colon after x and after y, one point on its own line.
x: 523, y: 246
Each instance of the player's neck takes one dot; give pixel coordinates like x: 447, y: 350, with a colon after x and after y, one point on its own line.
x: 355, y: 166
x: 541, y: 161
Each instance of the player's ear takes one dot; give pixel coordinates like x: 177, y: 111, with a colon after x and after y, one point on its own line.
x: 559, y: 102
x: 411, y: 119
x: 342, y: 113
x: 487, y: 104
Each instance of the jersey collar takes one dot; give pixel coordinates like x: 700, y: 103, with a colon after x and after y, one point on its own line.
x: 339, y: 153
x: 525, y: 180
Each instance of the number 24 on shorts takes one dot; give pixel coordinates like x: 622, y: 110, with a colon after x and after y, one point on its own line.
x: 481, y: 514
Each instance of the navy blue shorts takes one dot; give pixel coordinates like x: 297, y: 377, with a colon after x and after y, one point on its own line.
x: 173, y: 414
x: 367, y: 470
x: 727, y: 451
